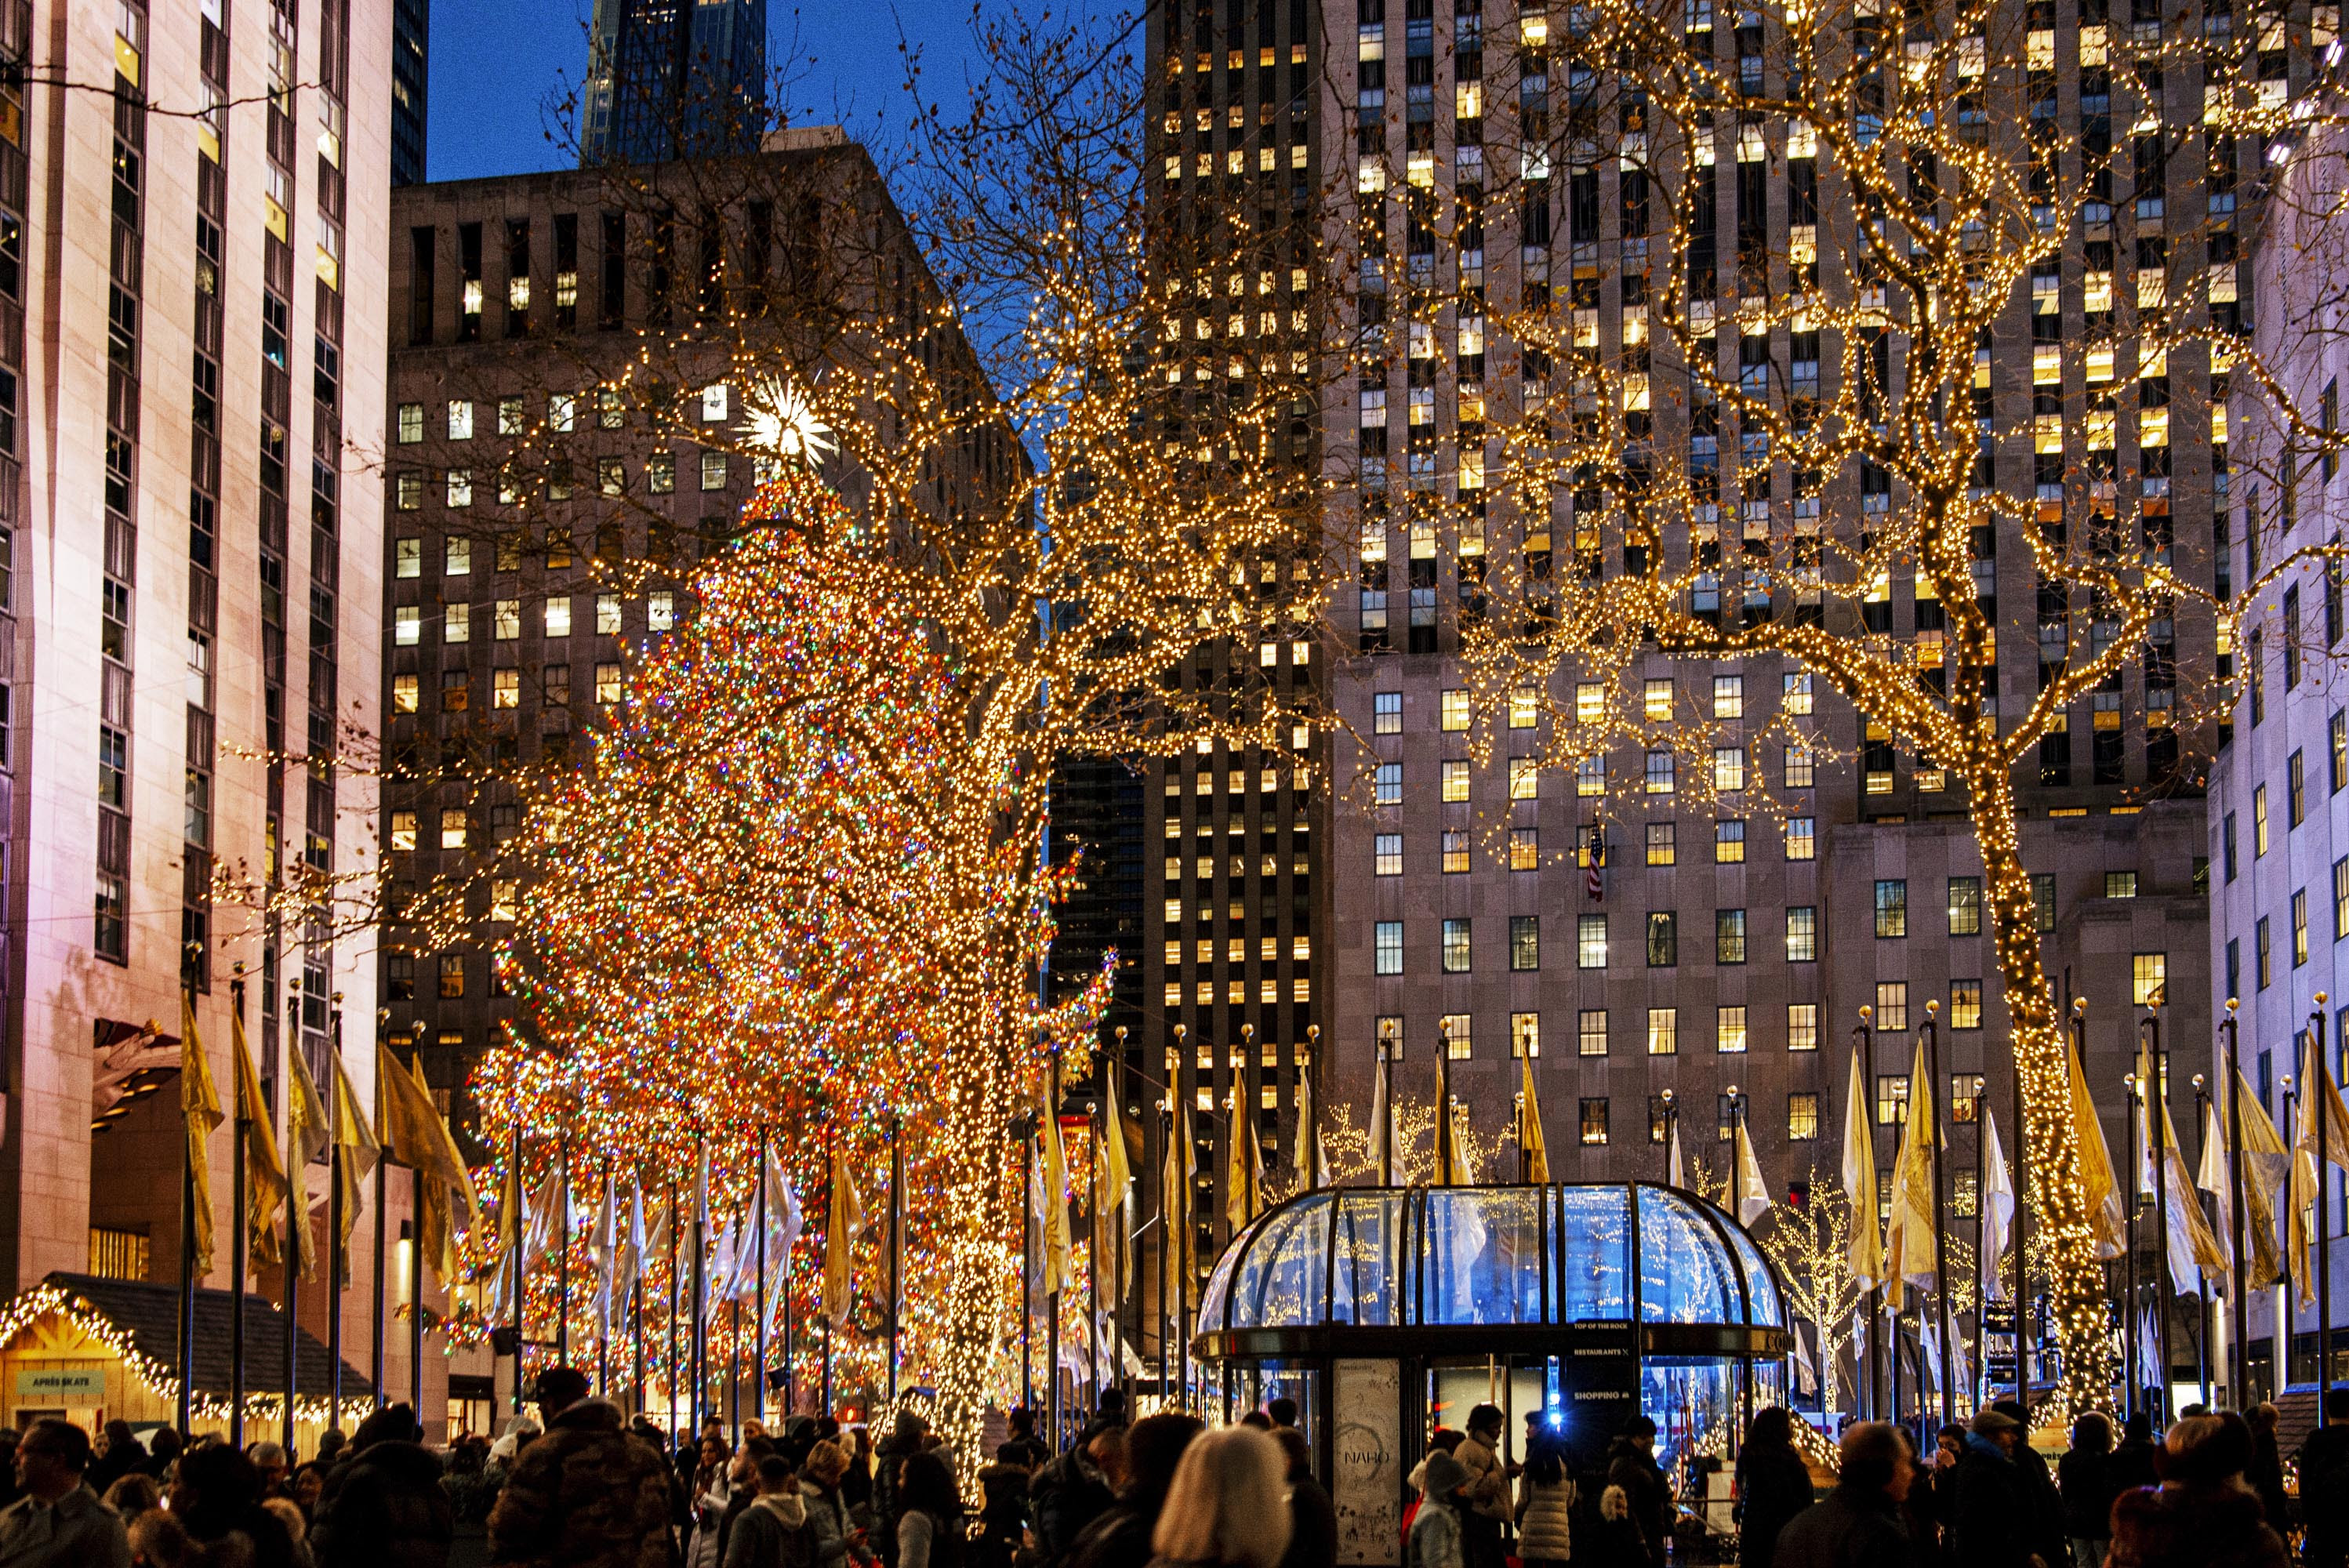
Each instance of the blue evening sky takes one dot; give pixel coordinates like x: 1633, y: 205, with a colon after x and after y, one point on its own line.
x: 501, y: 69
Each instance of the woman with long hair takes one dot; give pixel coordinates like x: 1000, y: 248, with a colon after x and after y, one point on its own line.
x: 929, y: 1513
x: 1773, y: 1485
x: 1229, y: 1505
x: 1545, y: 1503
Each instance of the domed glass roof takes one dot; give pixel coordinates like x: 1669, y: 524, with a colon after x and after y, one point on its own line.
x: 1390, y: 1257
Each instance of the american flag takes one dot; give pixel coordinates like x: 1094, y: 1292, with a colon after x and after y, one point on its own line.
x: 1594, y: 863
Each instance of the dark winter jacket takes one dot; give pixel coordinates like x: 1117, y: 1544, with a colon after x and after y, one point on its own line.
x: 1066, y: 1495
x: 386, y: 1509
x: 1991, y: 1519
x: 1773, y: 1485
x: 769, y: 1533
x: 1120, y: 1536
x: 585, y: 1495
x: 890, y: 1452
x: 2264, y: 1475
x: 1849, y: 1528
x: 1645, y: 1492
x: 2132, y: 1464
x: 2086, y: 1483
x: 1003, y: 1503
x: 2193, y: 1527
x: 2324, y: 1492
x: 1312, y: 1526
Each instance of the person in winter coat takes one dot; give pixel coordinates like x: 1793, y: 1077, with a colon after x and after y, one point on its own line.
x: 1487, y: 1492
x: 1155, y: 1446
x: 1312, y: 1517
x: 1632, y: 1465
x: 832, y: 1539
x: 385, y: 1508
x: 1545, y: 1505
x: 2265, y: 1473
x: 1224, y: 1508
x: 2085, y: 1477
x: 2045, y: 1537
x: 2132, y: 1464
x: 772, y: 1531
x: 929, y: 1518
x: 1773, y: 1485
x: 123, y: 1453
x: 903, y: 1441
x: 2202, y: 1515
x: 1073, y: 1491
x: 1435, y: 1540
x: 713, y: 1489
x: 587, y: 1494
x: 216, y: 1493
x: 2325, y: 1485
x: 1857, y: 1524
x: 1991, y: 1522
x: 1003, y: 1509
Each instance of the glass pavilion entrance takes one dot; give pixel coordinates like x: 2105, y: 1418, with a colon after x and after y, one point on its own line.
x: 1384, y: 1312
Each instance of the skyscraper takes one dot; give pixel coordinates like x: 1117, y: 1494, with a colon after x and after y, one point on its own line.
x: 674, y: 78
x: 182, y: 378
x: 411, y: 22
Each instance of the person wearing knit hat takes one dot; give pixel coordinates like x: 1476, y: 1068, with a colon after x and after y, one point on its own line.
x: 1435, y: 1538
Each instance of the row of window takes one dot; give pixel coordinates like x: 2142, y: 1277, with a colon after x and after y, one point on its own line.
x: 566, y: 412
x: 611, y: 478
x: 2262, y: 942
x: 1659, y: 704
x: 1661, y: 937
x: 1658, y: 1028
x: 555, y: 618
x: 505, y: 688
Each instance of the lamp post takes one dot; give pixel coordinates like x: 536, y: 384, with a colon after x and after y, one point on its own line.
x: 238, y: 1236
x: 2133, y: 1341
x: 2157, y: 1140
x: 2238, y: 1375
x: 1941, y: 1228
x: 2201, y: 1276
x: 1883, y: 1394
x: 297, y: 1223
x: 2279, y: 1348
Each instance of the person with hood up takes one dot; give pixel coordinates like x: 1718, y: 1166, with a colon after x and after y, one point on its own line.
x: 1155, y: 1446
x: 1632, y: 1465
x: 1003, y: 1507
x: 2202, y: 1515
x: 771, y: 1533
x: 585, y: 1495
x: 1435, y: 1540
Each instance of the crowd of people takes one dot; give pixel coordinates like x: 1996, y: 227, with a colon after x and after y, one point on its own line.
x: 581, y: 1487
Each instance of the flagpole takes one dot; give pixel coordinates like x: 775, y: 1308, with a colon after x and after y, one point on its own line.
x: 187, y: 1321
x: 1941, y: 1228
x: 2280, y: 1346
x: 335, y: 1222
x: 2201, y: 1276
x: 674, y: 1284
x: 2129, y: 1157
x: 382, y: 1159
x: 759, y: 1379
x: 1384, y: 1131
x: 1052, y: 1298
x: 603, y: 1324
x: 897, y: 1239
x: 2327, y: 1090
x: 563, y: 1250
x: 1028, y: 1270
x: 416, y: 1266
x: 1738, y: 1139
x: 1880, y: 1396
x: 1985, y: 1266
x: 2023, y: 1206
x: 1167, y: 1240
x: 521, y: 1259
x: 297, y: 1220
x: 2157, y: 1138
x: 2238, y: 1293
x: 700, y: 1371
x: 831, y: 1209
x: 237, y: 1243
